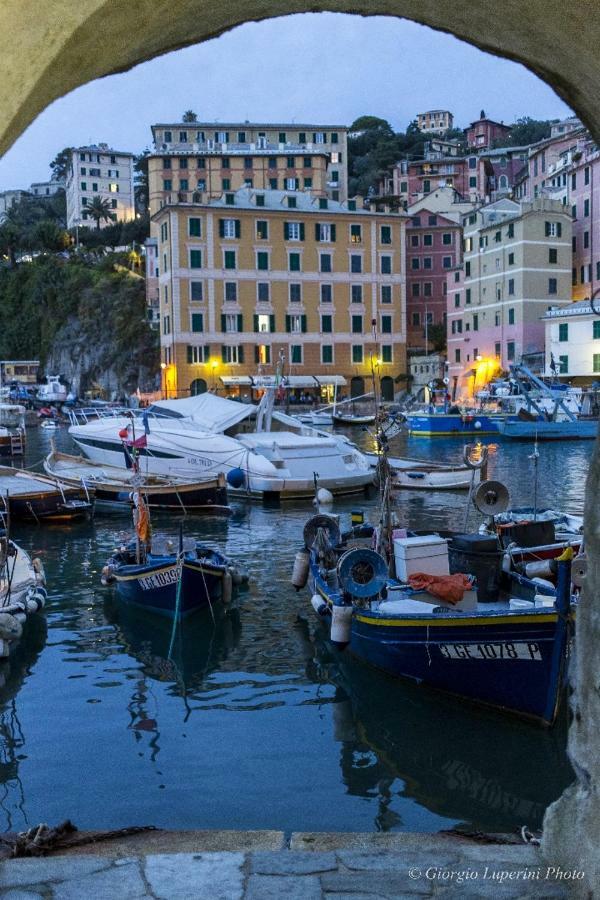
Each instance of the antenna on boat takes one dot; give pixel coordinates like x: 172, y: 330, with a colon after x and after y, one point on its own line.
x: 535, y: 457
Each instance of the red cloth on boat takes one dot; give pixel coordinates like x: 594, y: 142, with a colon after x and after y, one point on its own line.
x: 450, y: 588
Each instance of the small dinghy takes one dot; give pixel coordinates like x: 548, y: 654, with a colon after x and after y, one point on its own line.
x: 422, y: 474
x: 349, y: 419
x: 49, y: 424
x: 33, y: 497
x: 114, y: 486
x: 22, y: 591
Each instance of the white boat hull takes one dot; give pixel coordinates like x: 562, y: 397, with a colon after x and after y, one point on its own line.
x: 422, y: 475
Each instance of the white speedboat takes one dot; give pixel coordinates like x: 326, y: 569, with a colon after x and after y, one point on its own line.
x: 424, y: 474
x: 206, y: 435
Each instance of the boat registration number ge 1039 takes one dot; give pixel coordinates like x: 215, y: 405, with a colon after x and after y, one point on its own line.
x: 497, y: 650
x: 159, y: 579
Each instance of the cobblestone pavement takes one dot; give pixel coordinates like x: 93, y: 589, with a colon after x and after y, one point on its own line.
x: 308, y: 867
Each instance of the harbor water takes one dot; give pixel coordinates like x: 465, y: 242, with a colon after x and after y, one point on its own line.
x: 255, y: 723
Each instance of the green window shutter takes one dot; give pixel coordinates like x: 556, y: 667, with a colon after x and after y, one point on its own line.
x: 317, y: 232
x: 597, y: 329
x: 255, y: 319
x: 238, y: 228
x: 301, y: 231
x: 224, y: 352
x: 314, y: 140
x: 241, y: 354
x: 189, y: 355
x: 272, y: 323
x: 333, y: 232
x: 223, y: 322
x: 286, y: 231
x: 558, y: 229
x: 288, y: 324
x: 303, y: 324
x: 221, y: 227
x: 240, y: 322
x: 268, y: 354
x: 256, y: 352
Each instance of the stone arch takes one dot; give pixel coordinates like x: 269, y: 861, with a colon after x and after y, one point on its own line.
x: 198, y: 386
x: 386, y: 386
x: 51, y: 49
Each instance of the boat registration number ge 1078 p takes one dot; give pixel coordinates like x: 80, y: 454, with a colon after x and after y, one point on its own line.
x: 497, y: 650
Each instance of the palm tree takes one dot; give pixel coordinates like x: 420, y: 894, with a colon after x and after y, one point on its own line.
x: 190, y: 116
x: 99, y: 210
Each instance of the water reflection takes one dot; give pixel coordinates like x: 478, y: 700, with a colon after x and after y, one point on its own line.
x: 13, y: 744
x: 478, y: 768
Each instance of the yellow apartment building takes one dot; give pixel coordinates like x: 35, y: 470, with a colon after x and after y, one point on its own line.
x: 256, y: 276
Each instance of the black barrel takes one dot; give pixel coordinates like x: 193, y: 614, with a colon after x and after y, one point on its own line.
x: 479, y: 555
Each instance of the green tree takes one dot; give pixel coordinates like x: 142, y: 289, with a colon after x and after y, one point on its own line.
x: 140, y: 181
x: 189, y: 116
x: 526, y: 131
x: 99, y: 210
x: 60, y: 164
x: 47, y: 235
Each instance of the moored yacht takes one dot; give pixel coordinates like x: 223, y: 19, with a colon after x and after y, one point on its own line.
x: 272, y: 456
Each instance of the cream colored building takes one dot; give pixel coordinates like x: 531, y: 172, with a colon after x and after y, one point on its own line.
x: 248, y: 139
x: 516, y: 265
x: 573, y: 342
x: 259, y: 274
x: 435, y: 121
x: 100, y: 171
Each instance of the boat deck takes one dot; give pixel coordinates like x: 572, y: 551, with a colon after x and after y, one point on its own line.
x: 14, y: 485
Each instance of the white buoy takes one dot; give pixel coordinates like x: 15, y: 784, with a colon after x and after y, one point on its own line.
x: 227, y: 588
x: 318, y: 604
x: 341, y: 625
x: 300, y: 570
x: 10, y: 627
x: 324, y: 496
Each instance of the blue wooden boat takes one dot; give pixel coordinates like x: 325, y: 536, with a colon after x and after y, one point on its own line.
x: 512, y: 659
x: 565, y: 430
x: 440, y: 424
x: 170, y: 583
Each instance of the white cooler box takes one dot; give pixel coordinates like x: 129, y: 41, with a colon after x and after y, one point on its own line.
x: 427, y: 553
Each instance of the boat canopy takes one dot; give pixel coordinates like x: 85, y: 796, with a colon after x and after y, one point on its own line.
x: 210, y: 412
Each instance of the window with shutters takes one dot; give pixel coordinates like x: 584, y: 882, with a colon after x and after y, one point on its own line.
x: 415, y: 289
x: 263, y: 294
x: 511, y: 287
x: 386, y: 293
x: 563, y: 331
x: 231, y: 323
x: 295, y: 292
x: 326, y: 353
x: 428, y: 240
x: 596, y: 329
x: 293, y: 231
x: 325, y: 232
x: 357, y: 324
x: 327, y: 324
x: 231, y: 293
x: 355, y: 263
x: 197, y: 322
x: 291, y: 162
x: 415, y: 263
x: 457, y: 301
x: 294, y: 262
x: 197, y: 355
x: 427, y: 262
x: 414, y: 240
x: 386, y: 324
x: 230, y: 228
x: 596, y: 362
x: 553, y: 286
x: 511, y: 259
x: 563, y: 365
x: 586, y: 207
x: 553, y: 254
x: 511, y: 316
x: 296, y: 354
x: 260, y: 199
x: 292, y: 184
x: 196, y: 291
x: 262, y: 230
x: 447, y: 238
x: 356, y: 293
x: 194, y: 227
x: 325, y: 262
x: 263, y: 323
x: 510, y: 231
x: 386, y: 265
x: 457, y: 355
x: 447, y: 262
x: 357, y: 353
x: 326, y: 293
x: 386, y: 353
x: 427, y: 288
x: 416, y: 318
x: 262, y: 354
x: 553, y: 229
x: 497, y: 350
x: 510, y: 350
x: 262, y: 261
x: 355, y: 234
x: 226, y: 186
x: 308, y: 183
x: 233, y: 355
x: 229, y: 259
x: 386, y: 234
x: 282, y: 137
x: 167, y: 185
x: 201, y: 163
x: 319, y: 137
x: 195, y: 259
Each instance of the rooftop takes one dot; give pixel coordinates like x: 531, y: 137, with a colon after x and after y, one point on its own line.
x: 293, y: 126
x: 101, y: 148
x: 235, y: 149
x: 277, y: 201
x: 579, y: 308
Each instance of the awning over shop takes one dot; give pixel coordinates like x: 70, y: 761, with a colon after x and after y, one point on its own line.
x: 296, y: 381
x: 336, y: 380
x: 234, y: 380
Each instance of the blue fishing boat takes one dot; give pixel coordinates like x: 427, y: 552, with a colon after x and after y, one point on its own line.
x: 170, y: 582
x: 439, y: 424
x: 493, y: 653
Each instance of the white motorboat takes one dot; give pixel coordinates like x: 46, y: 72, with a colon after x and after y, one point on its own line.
x: 423, y: 474
x: 51, y: 392
x: 206, y: 435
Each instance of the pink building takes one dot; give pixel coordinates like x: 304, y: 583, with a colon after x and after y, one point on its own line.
x: 482, y: 133
x: 433, y: 248
x: 583, y: 181
x: 467, y: 175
